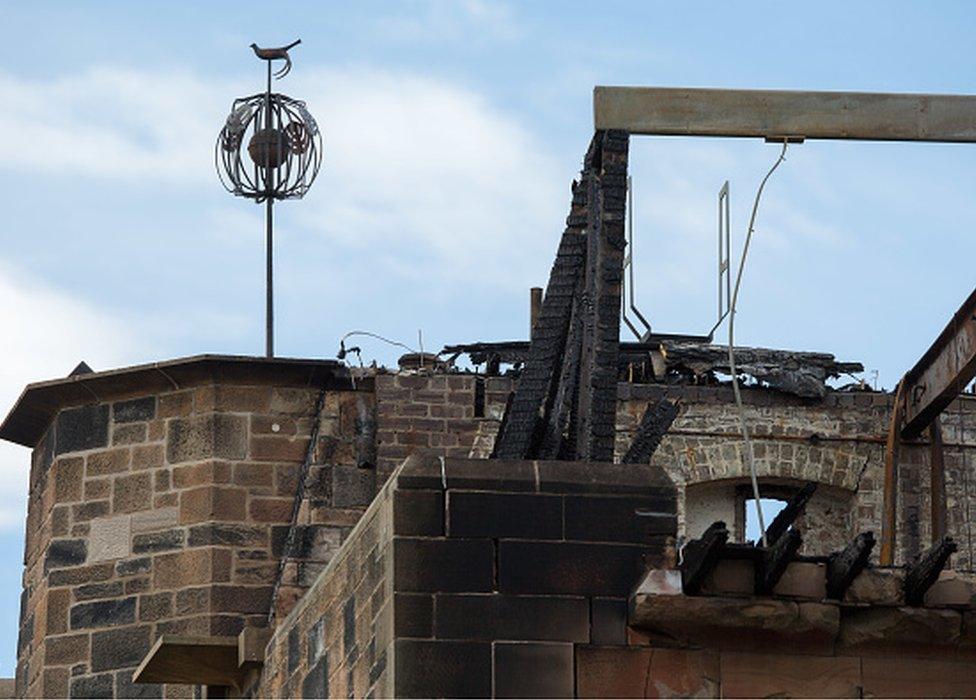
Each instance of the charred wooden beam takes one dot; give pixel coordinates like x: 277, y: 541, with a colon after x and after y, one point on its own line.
x: 942, y: 372
x: 791, y: 511
x: 775, y: 559
x: 560, y: 430
x: 536, y: 385
x: 699, y: 557
x: 924, y: 571
x: 844, y: 566
x: 800, y: 373
x: 656, y: 421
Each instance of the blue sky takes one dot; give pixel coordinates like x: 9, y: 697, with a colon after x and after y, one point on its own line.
x: 452, y: 133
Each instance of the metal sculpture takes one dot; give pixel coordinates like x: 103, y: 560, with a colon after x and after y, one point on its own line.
x: 269, y: 148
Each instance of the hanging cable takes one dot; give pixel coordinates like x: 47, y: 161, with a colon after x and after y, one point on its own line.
x: 750, y: 458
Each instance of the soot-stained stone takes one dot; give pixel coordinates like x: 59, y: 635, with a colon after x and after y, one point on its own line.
x: 61, y: 553
x: 294, y: 653
x: 128, y: 689
x: 233, y: 535
x: 315, y: 644
x: 349, y: 626
x: 134, y: 410
x: 120, y: 648
x: 129, y: 567
x: 442, y: 565
x: 316, y: 683
x: 352, y: 486
x: 533, y: 670
x: 99, y: 686
x: 82, y: 428
x: 524, y: 516
x: 609, y: 621
x: 158, y: 541
x: 436, y: 669
x: 104, y: 613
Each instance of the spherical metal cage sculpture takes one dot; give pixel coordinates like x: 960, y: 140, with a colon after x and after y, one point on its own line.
x: 281, y: 144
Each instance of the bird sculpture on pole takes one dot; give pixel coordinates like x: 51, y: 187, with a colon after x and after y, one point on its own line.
x: 280, y: 53
x: 280, y: 160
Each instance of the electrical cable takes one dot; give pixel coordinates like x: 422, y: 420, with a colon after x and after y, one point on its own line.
x: 750, y: 457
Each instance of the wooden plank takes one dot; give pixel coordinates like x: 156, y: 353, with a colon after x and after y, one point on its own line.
x: 191, y: 660
x: 774, y: 114
x: 844, y: 566
x: 942, y: 372
x: 890, y: 492
x: 924, y: 571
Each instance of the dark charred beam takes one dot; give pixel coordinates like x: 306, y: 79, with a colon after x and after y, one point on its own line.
x: 502, y: 424
x: 699, y: 557
x: 942, y: 372
x: 791, y: 511
x: 924, y: 571
x: 656, y: 421
x: 775, y: 559
x: 799, y: 373
x: 844, y: 566
x: 937, y: 487
x: 597, y: 395
x: 560, y: 429
x: 536, y: 384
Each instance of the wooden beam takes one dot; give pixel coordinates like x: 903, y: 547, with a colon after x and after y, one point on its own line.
x: 925, y: 570
x: 844, y: 566
x: 942, y: 372
x: 791, y: 511
x: 775, y: 559
x: 775, y: 114
x: 890, y: 491
x: 699, y: 557
x: 192, y: 661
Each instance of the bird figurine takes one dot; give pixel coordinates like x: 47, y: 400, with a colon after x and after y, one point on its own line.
x: 277, y: 54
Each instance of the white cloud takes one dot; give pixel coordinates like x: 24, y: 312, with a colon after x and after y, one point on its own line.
x: 46, y: 333
x: 443, y: 20
x: 417, y: 170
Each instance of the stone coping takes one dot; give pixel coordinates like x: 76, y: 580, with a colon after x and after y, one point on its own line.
x: 40, y: 401
x: 429, y: 472
x: 871, y: 620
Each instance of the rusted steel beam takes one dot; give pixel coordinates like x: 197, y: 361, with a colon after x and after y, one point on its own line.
x: 942, y: 372
x: 775, y: 114
x: 890, y: 509
x: 937, y: 491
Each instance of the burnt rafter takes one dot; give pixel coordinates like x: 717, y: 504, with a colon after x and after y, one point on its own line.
x: 775, y: 559
x: 844, y: 566
x: 565, y: 402
x: 924, y: 571
x: 791, y: 511
x: 656, y: 421
x: 699, y: 557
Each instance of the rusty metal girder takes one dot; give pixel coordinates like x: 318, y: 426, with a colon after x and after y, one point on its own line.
x: 942, y: 372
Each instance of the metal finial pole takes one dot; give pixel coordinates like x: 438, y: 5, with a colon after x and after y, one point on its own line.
x: 269, y: 244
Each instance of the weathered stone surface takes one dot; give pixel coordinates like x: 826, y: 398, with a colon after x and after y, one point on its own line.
x: 352, y: 486
x: 898, y: 629
x: 213, y: 503
x: 82, y: 428
x: 612, y: 673
x: 800, y: 676
x: 155, y: 607
x: 660, y: 582
x: 158, y: 541
x: 133, y: 566
x: 134, y: 410
x: 179, y: 569
x: 109, y: 538
x: 952, y: 590
x: 804, y: 580
x: 99, y: 686
x: 91, y: 591
x: 68, y: 649
x: 103, y: 613
x: 877, y: 586
x: 316, y: 681
x: 494, y: 616
x: 132, y: 492
x: 156, y: 519
x: 916, y: 678
x: 207, y: 436
x: 532, y: 670
x: 735, y: 577
x: 119, y: 648
x: 125, y: 688
x: 61, y: 553
x: 608, y: 621
x: 229, y: 534
x: 107, y: 462
x: 442, y: 669
x: 69, y: 473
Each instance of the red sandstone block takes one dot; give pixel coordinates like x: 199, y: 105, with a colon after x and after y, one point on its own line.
x: 148, y: 456
x: 132, y: 493
x: 266, y: 448
x: 179, y: 569
x: 776, y: 675
x: 270, y: 510
x: 175, y: 404
x: 604, y: 672
x: 68, y: 476
x: 415, y: 439
x: 107, y: 462
x: 273, y: 425
x: 201, y: 474
x: 212, y: 503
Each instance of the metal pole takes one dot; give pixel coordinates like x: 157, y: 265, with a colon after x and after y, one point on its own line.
x: 269, y: 301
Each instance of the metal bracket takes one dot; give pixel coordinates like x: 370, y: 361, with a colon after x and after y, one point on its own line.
x: 724, y: 258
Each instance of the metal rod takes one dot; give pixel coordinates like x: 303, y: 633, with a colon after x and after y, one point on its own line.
x: 269, y: 244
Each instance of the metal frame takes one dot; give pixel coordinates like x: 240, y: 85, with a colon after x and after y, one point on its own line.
x: 788, y: 115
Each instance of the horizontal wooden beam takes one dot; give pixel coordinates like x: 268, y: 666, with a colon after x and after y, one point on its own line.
x: 775, y: 114
x: 942, y: 372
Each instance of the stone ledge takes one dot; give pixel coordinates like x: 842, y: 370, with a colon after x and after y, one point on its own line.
x: 425, y: 471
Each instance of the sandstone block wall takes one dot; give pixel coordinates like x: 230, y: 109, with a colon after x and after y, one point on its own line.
x: 166, y: 514
x: 476, y: 578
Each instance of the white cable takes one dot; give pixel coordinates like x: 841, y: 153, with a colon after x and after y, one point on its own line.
x: 750, y: 458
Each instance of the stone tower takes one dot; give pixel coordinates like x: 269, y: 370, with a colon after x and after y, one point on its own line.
x: 160, y: 500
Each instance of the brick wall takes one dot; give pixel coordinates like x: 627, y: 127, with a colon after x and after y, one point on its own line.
x: 166, y: 513
x: 476, y: 578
